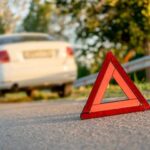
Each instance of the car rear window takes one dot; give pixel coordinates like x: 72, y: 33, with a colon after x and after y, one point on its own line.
x: 18, y: 39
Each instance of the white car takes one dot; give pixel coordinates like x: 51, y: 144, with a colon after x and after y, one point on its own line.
x: 29, y: 60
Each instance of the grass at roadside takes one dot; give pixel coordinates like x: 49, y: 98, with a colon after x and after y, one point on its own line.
x: 112, y: 91
x: 78, y: 94
x: 22, y: 97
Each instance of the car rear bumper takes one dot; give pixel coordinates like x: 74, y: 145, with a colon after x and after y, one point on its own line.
x: 48, y: 80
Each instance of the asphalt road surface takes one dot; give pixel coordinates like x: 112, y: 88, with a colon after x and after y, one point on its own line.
x: 55, y: 125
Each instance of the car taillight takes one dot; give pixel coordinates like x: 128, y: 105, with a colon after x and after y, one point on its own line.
x: 70, y: 51
x: 4, y: 58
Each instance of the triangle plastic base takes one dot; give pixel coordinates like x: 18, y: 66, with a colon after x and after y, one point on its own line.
x: 111, y: 112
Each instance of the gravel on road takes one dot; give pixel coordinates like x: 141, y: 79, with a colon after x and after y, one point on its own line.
x: 55, y: 125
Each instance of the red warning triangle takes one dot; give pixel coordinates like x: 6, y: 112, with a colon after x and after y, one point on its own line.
x: 95, y: 108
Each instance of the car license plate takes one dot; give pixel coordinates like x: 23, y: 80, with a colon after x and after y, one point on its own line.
x: 38, y: 54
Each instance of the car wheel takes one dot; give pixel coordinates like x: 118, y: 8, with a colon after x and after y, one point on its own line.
x: 2, y: 93
x: 30, y: 92
x: 65, y: 90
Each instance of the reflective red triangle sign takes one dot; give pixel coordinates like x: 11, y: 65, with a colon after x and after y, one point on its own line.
x: 135, y: 101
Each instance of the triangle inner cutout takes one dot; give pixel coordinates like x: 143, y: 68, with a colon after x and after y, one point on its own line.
x: 113, y: 93
x: 96, y: 108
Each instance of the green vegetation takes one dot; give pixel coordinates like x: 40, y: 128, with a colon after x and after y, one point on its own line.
x: 112, y: 91
x: 81, y: 93
x: 122, y: 25
x: 99, y: 25
x: 22, y: 97
x: 38, y: 18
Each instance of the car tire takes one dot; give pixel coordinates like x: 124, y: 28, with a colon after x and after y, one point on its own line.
x: 65, y: 90
x: 30, y: 92
x: 2, y: 93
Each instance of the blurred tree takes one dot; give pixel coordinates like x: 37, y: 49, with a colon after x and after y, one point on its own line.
x: 9, y: 15
x: 38, y: 17
x: 2, y: 26
x: 122, y: 25
x: 83, y: 70
x: 7, y: 19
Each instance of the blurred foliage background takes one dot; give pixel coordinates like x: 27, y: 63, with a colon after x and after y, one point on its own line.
x: 92, y: 26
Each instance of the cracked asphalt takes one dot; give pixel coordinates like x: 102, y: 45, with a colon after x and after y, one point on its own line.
x: 55, y: 125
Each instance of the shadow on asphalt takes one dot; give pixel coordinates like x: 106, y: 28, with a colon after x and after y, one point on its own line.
x: 60, y: 118
x: 45, y: 120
